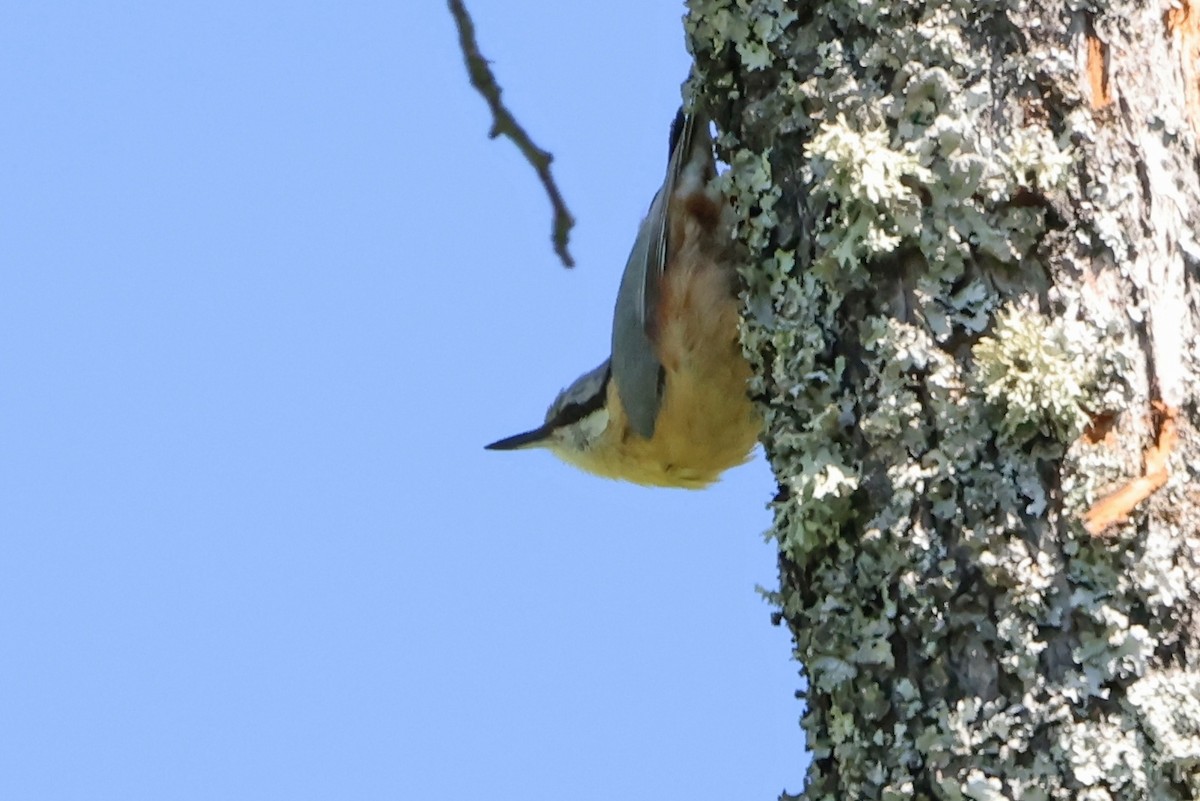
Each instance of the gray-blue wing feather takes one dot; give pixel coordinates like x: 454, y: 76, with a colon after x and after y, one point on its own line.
x: 635, y: 364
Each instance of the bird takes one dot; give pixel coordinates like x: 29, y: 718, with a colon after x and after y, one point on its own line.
x: 669, y: 407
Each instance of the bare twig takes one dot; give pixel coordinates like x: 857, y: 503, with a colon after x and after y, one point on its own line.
x: 503, y: 123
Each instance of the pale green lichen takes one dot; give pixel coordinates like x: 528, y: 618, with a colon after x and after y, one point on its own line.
x: 1161, y: 575
x: 1042, y: 374
x: 1035, y: 160
x: 1104, y: 757
x: 981, y: 787
x: 749, y: 26
x: 1168, y: 706
x: 749, y: 176
x: 716, y: 22
x: 863, y: 181
x: 1117, y: 649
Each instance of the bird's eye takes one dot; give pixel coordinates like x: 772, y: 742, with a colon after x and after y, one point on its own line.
x: 573, y: 413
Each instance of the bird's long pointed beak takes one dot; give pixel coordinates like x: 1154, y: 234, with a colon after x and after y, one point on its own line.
x: 538, y: 437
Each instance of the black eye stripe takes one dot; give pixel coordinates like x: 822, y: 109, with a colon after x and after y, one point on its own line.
x: 574, y: 412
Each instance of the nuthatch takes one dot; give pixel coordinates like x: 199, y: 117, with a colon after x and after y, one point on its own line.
x: 669, y: 406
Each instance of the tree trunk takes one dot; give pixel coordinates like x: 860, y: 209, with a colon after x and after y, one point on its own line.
x: 973, y: 308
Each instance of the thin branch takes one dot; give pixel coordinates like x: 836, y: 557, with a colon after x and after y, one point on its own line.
x: 503, y: 123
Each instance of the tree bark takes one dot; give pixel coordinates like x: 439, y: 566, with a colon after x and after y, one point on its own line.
x: 973, y: 310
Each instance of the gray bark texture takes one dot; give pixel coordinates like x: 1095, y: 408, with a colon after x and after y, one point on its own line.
x: 973, y: 307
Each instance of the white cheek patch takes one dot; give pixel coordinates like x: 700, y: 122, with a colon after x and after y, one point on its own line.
x: 588, y: 430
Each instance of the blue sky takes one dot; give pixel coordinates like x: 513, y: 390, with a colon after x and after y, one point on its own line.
x: 267, y: 291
